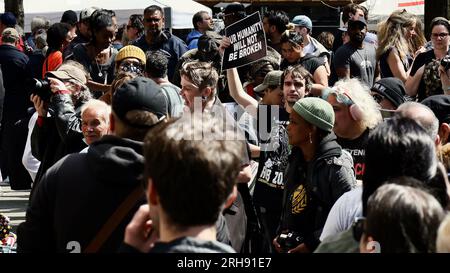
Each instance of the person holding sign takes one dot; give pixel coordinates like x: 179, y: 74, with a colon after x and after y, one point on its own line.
x: 293, y: 53
x: 274, y: 149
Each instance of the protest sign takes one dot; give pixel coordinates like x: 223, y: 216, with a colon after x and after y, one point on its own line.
x: 248, y: 42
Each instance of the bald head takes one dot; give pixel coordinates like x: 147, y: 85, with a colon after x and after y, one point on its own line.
x: 422, y: 115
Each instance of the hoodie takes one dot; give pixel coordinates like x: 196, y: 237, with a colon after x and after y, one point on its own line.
x: 79, y: 194
x: 192, y: 39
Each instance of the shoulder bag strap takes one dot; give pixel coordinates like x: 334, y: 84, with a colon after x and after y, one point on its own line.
x: 115, y: 219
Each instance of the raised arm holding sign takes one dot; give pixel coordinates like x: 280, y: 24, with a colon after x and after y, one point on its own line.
x: 247, y: 42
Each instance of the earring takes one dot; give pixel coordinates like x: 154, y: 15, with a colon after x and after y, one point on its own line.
x: 310, y: 138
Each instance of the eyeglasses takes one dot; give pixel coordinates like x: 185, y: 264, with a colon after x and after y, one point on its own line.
x: 152, y: 20
x: 358, y: 228
x: 440, y: 35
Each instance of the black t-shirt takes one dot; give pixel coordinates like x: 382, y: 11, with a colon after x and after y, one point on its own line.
x: 385, y: 70
x: 297, y: 212
x: 309, y: 62
x: 273, y: 157
x: 357, y: 148
x: 430, y: 83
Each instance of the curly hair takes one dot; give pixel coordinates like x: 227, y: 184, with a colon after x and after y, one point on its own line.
x: 360, y: 95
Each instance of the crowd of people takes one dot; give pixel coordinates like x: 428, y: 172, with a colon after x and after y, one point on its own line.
x: 133, y: 140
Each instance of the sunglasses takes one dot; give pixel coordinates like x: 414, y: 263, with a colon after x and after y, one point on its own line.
x: 152, y: 20
x: 131, y: 68
x: 342, y: 95
x: 377, y: 97
x: 358, y: 228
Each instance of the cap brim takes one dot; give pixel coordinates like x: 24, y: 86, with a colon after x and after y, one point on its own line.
x: 62, y: 75
x: 354, y: 23
x: 343, y: 29
x: 260, y: 88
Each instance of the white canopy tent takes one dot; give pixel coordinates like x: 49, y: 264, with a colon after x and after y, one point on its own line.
x: 381, y: 9
x: 178, y: 12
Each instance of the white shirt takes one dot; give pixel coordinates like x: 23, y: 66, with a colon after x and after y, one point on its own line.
x: 28, y: 160
x: 343, y: 213
x: 310, y: 48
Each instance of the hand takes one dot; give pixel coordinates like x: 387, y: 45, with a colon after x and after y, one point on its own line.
x: 245, y: 175
x: 277, y: 245
x: 301, y: 248
x: 224, y: 44
x: 57, y: 85
x: 140, y: 232
x: 421, y: 49
x: 39, y: 105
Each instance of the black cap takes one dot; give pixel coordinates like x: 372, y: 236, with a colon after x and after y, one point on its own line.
x: 361, y: 21
x: 392, y: 89
x: 139, y: 94
x: 8, y: 19
x: 70, y: 17
x: 440, y: 105
x: 234, y: 7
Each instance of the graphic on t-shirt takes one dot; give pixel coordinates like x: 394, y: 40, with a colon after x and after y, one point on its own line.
x: 365, y: 64
x: 276, y: 157
x: 299, y: 200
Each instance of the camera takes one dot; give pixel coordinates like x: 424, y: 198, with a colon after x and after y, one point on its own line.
x: 289, y: 240
x: 445, y: 62
x: 40, y: 88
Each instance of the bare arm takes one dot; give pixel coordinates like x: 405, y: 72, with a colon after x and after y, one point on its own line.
x: 412, y: 83
x: 320, y: 80
x: 396, y: 66
x: 239, y: 95
x: 343, y: 72
x: 98, y: 86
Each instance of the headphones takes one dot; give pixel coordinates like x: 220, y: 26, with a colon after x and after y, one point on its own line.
x: 356, y: 112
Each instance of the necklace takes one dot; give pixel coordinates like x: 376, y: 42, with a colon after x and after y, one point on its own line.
x: 100, y: 74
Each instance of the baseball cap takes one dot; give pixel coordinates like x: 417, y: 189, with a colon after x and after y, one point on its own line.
x: 139, y: 94
x: 272, y: 78
x: 440, y: 105
x: 68, y: 72
x: 70, y: 17
x: 392, y: 89
x: 8, y: 19
x: 12, y: 32
x: 302, y: 21
x: 360, y: 21
x: 87, y: 13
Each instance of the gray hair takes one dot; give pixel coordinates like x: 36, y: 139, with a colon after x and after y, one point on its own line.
x: 99, y: 106
x: 422, y: 115
x: 39, y: 22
